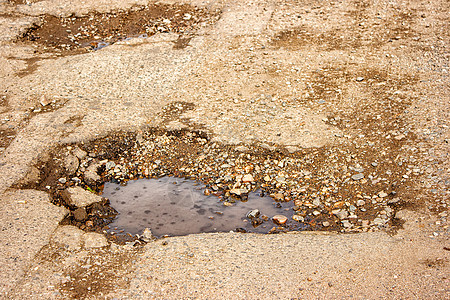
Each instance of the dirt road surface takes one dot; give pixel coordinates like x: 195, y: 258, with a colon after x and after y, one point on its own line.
x: 339, y: 106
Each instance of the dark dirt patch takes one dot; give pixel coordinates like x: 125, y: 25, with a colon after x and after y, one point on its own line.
x: 91, y: 278
x: 362, y: 26
x: 72, y: 35
x: 435, y: 263
x: 7, y: 135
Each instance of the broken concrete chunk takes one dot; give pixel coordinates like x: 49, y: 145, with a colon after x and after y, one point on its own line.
x: 90, y: 176
x: 31, y: 177
x: 69, y: 236
x: 80, y: 154
x: 94, y: 240
x: 71, y: 164
x: 77, y: 196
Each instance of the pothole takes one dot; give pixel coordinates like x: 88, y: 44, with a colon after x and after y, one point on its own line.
x: 72, y: 35
x: 197, y: 185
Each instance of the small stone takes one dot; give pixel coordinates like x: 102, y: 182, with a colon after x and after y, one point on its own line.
x: 242, y: 148
x: 238, y: 192
x: 94, y: 240
x: 360, y: 202
x: 378, y: 221
x: 325, y: 224
x: 316, y: 202
x: 340, y: 213
x: 267, y: 178
x: 80, y: 154
x: 278, y: 196
x: 247, y: 178
x: 80, y: 214
x: 279, y: 219
x: 147, y: 235
x: 91, y: 176
x: 359, y: 79
x: 110, y: 165
x: 394, y: 200
x: 253, y: 214
x: 62, y: 180
x: 382, y: 194
x: 280, y: 179
x: 298, y: 218
x: 316, y: 212
x: 45, y: 100
x: 358, y: 176
x: 374, y: 164
x: 346, y: 224
x: 400, y: 137
x: 71, y: 164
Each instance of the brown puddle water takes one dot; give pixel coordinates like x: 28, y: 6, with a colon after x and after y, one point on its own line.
x: 176, y: 206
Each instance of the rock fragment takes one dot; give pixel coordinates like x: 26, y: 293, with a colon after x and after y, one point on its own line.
x: 358, y: 176
x: 78, y: 197
x: 80, y: 214
x: 253, y: 214
x: 279, y: 219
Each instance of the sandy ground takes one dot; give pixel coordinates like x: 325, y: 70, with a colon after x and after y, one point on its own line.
x: 265, y: 72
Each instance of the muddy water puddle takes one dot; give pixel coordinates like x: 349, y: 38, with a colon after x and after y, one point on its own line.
x: 175, y: 206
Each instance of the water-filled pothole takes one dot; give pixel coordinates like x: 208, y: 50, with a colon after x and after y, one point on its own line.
x: 176, y: 206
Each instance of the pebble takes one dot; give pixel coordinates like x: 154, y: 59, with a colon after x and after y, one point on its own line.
x: 147, y: 235
x: 378, y: 221
x: 340, y: 213
x: 346, y: 223
x: 80, y: 214
x: 358, y: 176
x: 278, y: 196
x: 382, y: 194
x: 360, y: 202
x: 248, y: 178
x: 316, y: 202
x: 359, y: 79
x: 253, y: 214
x: 298, y: 218
x: 238, y: 192
x: 325, y: 224
x: 279, y: 219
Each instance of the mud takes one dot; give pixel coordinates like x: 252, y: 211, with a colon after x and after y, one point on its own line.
x: 73, y: 35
